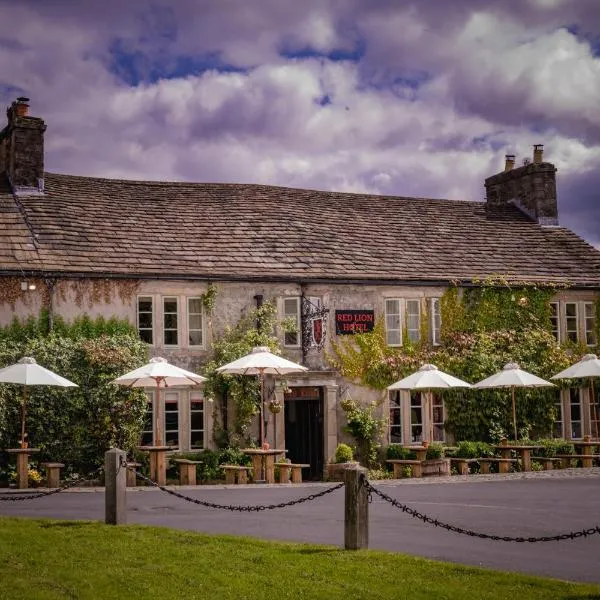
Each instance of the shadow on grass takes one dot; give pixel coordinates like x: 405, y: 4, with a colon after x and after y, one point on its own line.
x: 56, y: 524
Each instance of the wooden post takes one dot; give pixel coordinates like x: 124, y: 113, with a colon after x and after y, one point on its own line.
x: 356, y: 515
x: 115, y: 508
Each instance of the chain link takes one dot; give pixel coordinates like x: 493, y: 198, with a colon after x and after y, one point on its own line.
x: 15, y: 497
x: 573, y: 535
x: 236, y: 507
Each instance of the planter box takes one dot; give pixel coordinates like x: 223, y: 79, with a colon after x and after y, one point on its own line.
x: 335, y: 471
x: 436, y: 467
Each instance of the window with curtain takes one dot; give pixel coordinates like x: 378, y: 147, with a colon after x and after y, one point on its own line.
x: 393, y: 322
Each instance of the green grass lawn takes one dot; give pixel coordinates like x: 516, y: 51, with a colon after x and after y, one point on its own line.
x: 79, y: 559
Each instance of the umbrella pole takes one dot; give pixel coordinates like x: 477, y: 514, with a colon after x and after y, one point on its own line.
x: 594, y: 407
x: 262, y: 413
x: 157, y: 413
x: 514, y: 411
x: 23, y: 413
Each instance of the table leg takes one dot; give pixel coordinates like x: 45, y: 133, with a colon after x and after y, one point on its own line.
x: 269, y: 468
x: 526, y: 459
x: 22, y: 470
x: 257, y: 470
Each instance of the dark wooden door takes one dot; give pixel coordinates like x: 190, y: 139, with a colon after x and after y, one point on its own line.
x: 304, y: 429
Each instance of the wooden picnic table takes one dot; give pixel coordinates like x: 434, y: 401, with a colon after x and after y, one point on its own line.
x: 523, y: 450
x: 420, y: 451
x: 23, y: 465
x: 158, y: 462
x: 263, y: 463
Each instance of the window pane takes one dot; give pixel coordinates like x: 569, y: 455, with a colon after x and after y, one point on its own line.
x: 571, y: 309
x: 146, y: 335
x: 197, y: 439
x: 170, y: 306
x: 195, y: 305
x: 170, y: 321
x: 171, y: 338
x: 197, y: 420
x: 195, y: 338
x: 394, y: 338
x: 195, y: 321
x: 145, y: 304
x: 145, y: 320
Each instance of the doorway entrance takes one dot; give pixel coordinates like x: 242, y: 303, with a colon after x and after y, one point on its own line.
x: 304, y: 434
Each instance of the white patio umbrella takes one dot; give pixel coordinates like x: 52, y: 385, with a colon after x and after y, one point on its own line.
x: 261, y: 361
x: 158, y: 372
x: 512, y: 376
x: 587, y: 368
x: 27, y: 372
x: 429, y: 378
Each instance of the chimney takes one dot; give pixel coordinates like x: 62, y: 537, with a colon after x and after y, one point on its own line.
x: 22, y: 149
x: 531, y: 188
x: 509, y: 162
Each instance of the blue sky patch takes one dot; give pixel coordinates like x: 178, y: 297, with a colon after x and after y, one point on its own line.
x: 134, y: 66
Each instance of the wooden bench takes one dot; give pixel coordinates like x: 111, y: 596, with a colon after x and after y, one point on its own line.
x: 415, y: 466
x: 187, y: 470
x: 547, y: 462
x: 131, y: 476
x: 53, y: 474
x: 235, y: 474
x: 462, y: 464
x: 503, y: 464
x: 587, y: 460
x: 294, y: 468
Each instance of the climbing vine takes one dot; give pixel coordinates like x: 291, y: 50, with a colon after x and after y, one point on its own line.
x: 255, y: 328
x: 483, y: 328
x: 209, y: 298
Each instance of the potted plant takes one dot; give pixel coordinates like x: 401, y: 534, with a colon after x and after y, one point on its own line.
x: 343, y: 459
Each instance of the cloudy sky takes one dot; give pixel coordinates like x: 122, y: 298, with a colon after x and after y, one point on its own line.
x: 414, y: 98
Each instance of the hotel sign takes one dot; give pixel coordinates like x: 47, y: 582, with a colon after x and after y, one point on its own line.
x: 354, y: 321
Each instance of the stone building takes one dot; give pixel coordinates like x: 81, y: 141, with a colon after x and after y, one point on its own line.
x: 148, y: 251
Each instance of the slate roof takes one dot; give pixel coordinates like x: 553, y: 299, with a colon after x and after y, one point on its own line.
x: 110, y: 227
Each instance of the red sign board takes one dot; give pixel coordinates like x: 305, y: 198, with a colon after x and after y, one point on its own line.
x: 354, y: 321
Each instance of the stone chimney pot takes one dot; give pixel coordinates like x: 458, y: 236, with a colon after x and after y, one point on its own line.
x: 538, y: 154
x: 509, y: 162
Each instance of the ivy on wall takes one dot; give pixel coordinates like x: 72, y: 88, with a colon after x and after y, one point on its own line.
x: 255, y: 328
x: 483, y: 328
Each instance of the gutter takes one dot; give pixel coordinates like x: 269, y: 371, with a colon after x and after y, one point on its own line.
x: 469, y: 283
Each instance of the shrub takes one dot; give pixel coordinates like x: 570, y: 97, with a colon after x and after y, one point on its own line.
x: 434, y: 451
x: 550, y: 448
x: 397, y: 452
x: 467, y: 449
x: 343, y: 453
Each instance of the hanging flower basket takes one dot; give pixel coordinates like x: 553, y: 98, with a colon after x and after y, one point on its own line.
x: 275, y: 406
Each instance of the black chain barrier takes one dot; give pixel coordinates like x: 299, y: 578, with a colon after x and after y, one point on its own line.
x: 16, y: 497
x: 573, y: 535
x: 236, y: 507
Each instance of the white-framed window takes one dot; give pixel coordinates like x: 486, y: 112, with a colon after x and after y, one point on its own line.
x: 171, y: 320
x: 555, y: 320
x: 148, y: 430
x: 576, y: 414
x: 172, y: 418
x: 413, y: 320
x: 195, y: 323
x: 437, y: 421
x: 196, y: 420
x: 393, y: 322
x: 571, y: 322
x: 395, y: 417
x: 436, y: 321
x: 589, y: 323
x: 416, y: 417
x: 291, y: 313
x: 558, y: 425
x: 145, y: 314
